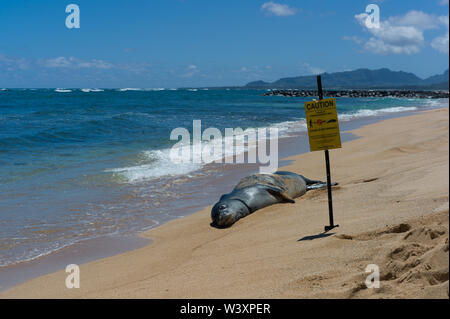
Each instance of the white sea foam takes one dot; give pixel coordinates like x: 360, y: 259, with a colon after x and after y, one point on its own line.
x: 63, y: 90
x: 129, y: 89
x: 193, y: 90
x: 35, y: 253
x: 436, y: 103
x: 369, y: 113
x: 91, y: 90
x: 155, y: 89
x: 161, y: 163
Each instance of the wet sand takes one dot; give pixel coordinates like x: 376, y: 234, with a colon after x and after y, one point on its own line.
x: 392, y: 207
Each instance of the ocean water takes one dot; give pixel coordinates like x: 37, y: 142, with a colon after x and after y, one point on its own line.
x: 77, y: 164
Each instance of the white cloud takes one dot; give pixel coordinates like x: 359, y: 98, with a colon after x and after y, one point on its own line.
x: 191, y: 71
x: 11, y: 64
x: 400, y: 34
x: 71, y: 62
x: 60, y: 62
x: 441, y: 43
x: 311, y: 70
x: 443, y: 2
x: 353, y: 39
x: 417, y: 19
x: 278, y: 9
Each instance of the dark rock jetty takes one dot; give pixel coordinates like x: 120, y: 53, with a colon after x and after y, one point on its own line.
x: 362, y: 93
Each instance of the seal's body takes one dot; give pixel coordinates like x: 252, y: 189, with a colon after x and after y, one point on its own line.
x: 260, y: 190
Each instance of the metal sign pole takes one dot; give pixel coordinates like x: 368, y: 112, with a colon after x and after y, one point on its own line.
x: 327, y: 162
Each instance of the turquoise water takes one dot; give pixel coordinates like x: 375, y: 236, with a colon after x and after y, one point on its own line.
x: 77, y: 164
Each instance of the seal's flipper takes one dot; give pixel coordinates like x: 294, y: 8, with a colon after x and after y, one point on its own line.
x: 311, y: 181
x: 280, y: 194
x: 319, y: 185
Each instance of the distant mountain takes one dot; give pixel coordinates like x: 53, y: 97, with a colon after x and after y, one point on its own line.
x: 359, y: 79
x: 435, y: 79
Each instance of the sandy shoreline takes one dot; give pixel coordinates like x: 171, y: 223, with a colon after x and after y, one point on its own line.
x: 396, y: 173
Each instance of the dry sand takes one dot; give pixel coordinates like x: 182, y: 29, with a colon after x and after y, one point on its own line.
x: 392, y: 207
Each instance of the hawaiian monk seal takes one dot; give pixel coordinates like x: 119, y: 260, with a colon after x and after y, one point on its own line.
x: 260, y: 190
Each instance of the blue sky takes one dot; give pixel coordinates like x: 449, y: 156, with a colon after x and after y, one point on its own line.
x: 175, y: 43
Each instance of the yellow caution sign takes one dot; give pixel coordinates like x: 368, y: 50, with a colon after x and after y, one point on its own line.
x: 323, y: 125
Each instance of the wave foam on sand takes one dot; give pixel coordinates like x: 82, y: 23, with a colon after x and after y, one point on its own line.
x: 160, y: 162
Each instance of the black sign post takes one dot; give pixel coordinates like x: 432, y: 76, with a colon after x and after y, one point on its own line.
x: 327, y: 162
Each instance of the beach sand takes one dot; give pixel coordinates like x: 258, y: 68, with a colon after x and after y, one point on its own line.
x: 391, y: 204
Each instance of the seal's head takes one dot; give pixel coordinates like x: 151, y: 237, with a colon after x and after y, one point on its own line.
x: 226, y: 212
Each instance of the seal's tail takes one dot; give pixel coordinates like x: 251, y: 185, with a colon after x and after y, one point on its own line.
x: 319, y: 185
